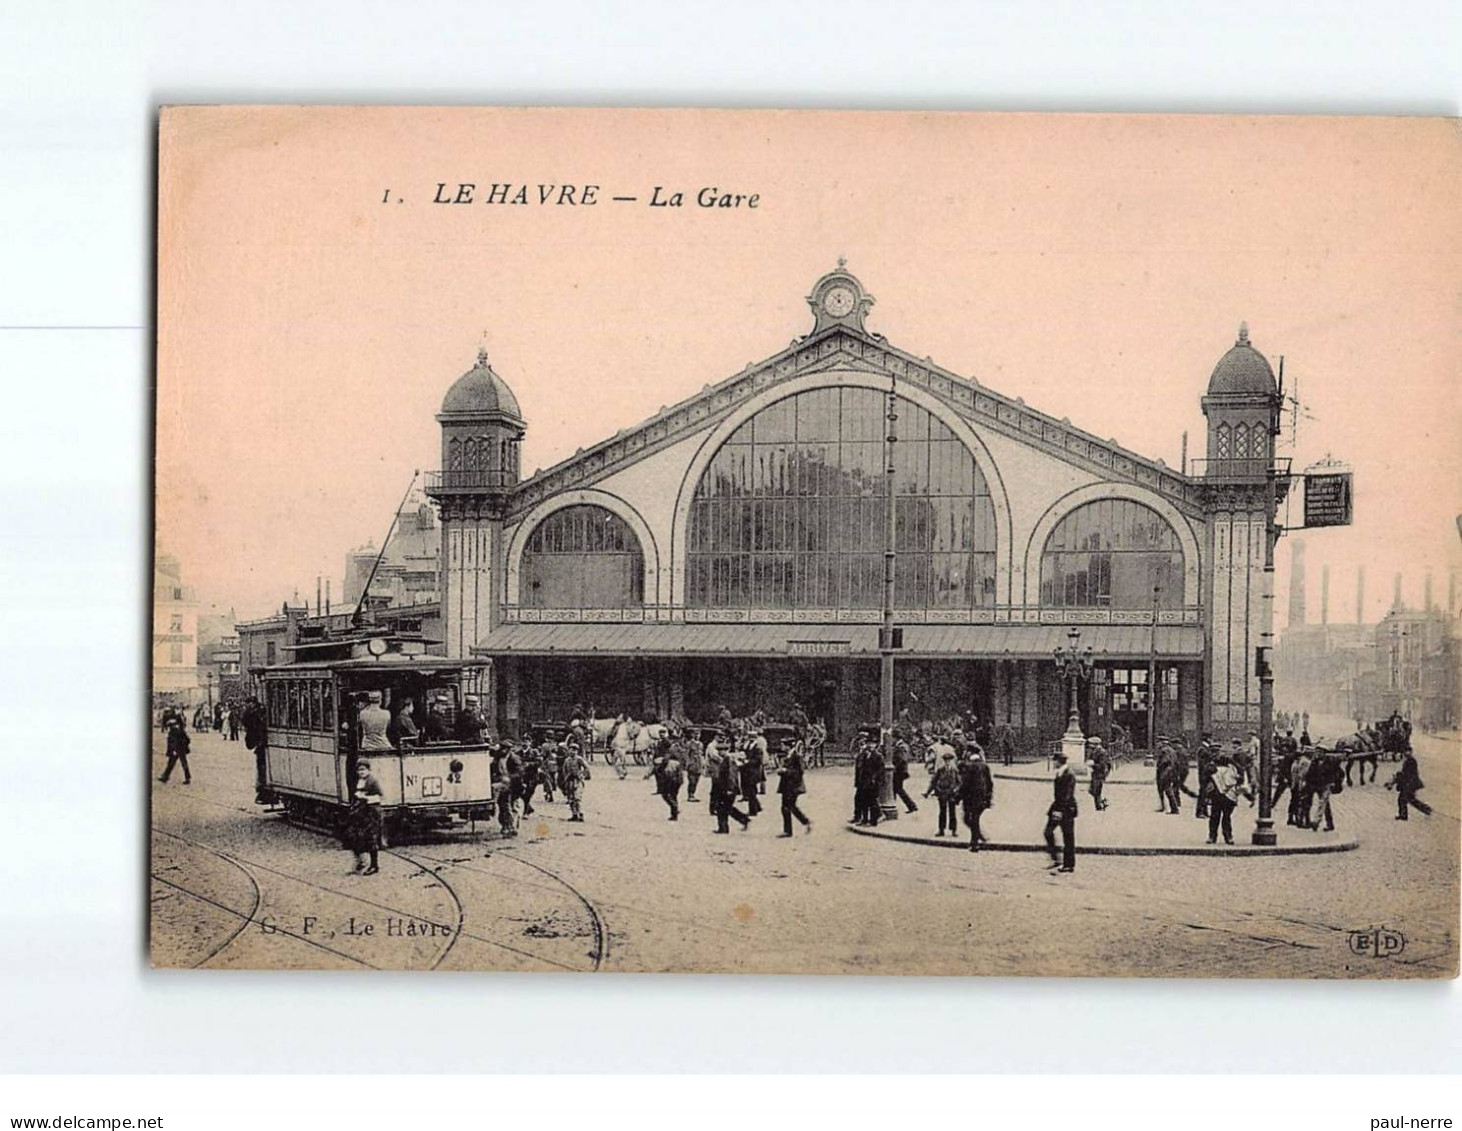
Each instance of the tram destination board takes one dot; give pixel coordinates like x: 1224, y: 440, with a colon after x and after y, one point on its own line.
x: 1328, y: 499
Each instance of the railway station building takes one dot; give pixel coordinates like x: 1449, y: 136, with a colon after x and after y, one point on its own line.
x: 729, y: 549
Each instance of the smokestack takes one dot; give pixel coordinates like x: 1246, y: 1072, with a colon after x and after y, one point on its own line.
x: 1325, y: 593
x: 1451, y: 593
x: 327, y: 596
x: 1396, y: 593
x: 1360, y: 595
x: 1297, y: 583
x: 1185, y: 451
x: 318, y: 606
x: 1427, y: 591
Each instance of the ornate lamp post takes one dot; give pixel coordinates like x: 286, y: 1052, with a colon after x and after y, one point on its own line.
x: 1074, y: 665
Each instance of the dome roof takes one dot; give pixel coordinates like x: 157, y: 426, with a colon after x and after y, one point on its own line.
x: 481, y: 392
x: 1242, y: 370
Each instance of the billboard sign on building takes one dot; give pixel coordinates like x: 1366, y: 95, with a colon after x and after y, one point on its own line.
x: 1328, y: 499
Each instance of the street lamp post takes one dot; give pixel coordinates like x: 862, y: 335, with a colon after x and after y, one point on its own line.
x: 1264, y: 831
x: 886, y: 641
x: 1074, y: 666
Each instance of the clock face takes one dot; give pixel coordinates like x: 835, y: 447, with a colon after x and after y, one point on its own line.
x: 838, y: 301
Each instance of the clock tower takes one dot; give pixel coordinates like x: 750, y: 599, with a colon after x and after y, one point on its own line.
x: 838, y: 299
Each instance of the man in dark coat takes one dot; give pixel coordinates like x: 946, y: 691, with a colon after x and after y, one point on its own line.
x: 1205, y: 775
x: 671, y: 777
x: 977, y: 792
x: 867, y: 782
x: 471, y: 726
x: 1062, y: 815
x: 724, y: 787
x: 177, y: 750
x: 693, y: 755
x: 1100, y: 761
x: 791, y: 784
x: 901, y: 775
x: 256, y: 738
x: 532, y: 775
x: 1407, y: 783
x: 1326, y: 776
x: 752, y: 771
x: 1167, y: 779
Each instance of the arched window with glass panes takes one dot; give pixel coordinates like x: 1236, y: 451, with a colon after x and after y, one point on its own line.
x: 791, y: 512
x: 582, y: 557
x: 1109, y: 554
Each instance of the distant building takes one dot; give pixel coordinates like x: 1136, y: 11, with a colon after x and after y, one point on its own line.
x: 408, y: 573
x: 1416, y: 670
x: 174, y: 635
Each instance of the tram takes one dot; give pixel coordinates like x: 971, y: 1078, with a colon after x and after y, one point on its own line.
x: 440, y: 774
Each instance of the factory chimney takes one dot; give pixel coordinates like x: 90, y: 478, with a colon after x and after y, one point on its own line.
x: 1325, y: 593
x: 1297, y: 583
x: 1427, y: 592
x: 1396, y: 594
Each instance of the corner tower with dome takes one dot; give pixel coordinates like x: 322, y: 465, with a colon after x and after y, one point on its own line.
x: 1242, y: 405
x: 727, y: 551
x: 482, y: 432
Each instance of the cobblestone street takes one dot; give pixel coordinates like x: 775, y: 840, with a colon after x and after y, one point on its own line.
x: 629, y: 890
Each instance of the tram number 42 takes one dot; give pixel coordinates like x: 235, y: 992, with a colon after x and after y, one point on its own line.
x: 431, y: 786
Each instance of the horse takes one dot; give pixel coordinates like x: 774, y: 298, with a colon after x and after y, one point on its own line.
x: 600, y: 731
x: 1359, y: 748
x: 635, y: 739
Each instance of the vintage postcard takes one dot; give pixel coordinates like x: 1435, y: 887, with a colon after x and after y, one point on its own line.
x: 1031, y: 541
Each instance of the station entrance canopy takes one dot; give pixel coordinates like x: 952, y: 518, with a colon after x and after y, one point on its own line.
x: 992, y: 642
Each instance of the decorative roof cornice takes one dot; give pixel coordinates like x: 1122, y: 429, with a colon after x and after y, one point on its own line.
x: 840, y: 347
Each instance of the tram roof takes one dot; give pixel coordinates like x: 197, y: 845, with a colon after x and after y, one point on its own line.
x: 391, y: 662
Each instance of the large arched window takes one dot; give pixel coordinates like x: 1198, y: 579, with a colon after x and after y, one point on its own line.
x: 791, y: 512
x: 1109, y: 554
x: 582, y: 557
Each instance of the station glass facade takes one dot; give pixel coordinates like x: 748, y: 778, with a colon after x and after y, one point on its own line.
x: 792, y: 513
x: 583, y: 557
x: 1109, y: 554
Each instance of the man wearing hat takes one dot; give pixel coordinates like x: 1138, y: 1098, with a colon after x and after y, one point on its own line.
x: 471, y: 729
x: 1101, y: 766
x: 178, y: 745
x: 945, y: 786
x: 723, y: 789
x: 977, y: 791
x: 375, y: 723
x: 436, y: 728
x: 1062, y: 815
x: 753, y: 771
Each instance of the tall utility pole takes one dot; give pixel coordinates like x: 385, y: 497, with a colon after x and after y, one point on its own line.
x: 1264, y: 833
x: 1152, y: 688
x: 886, y: 800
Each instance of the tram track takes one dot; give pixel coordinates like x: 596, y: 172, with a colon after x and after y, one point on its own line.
x: 248, y: 918
x: 456, y: 929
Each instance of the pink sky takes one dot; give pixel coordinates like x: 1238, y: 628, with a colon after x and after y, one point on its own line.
x: 1095, y: 266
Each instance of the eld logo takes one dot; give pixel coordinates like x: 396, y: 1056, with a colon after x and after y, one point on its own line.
x: 1378, y: 942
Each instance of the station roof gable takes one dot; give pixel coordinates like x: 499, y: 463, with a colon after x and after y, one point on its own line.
x: 846, y: 348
